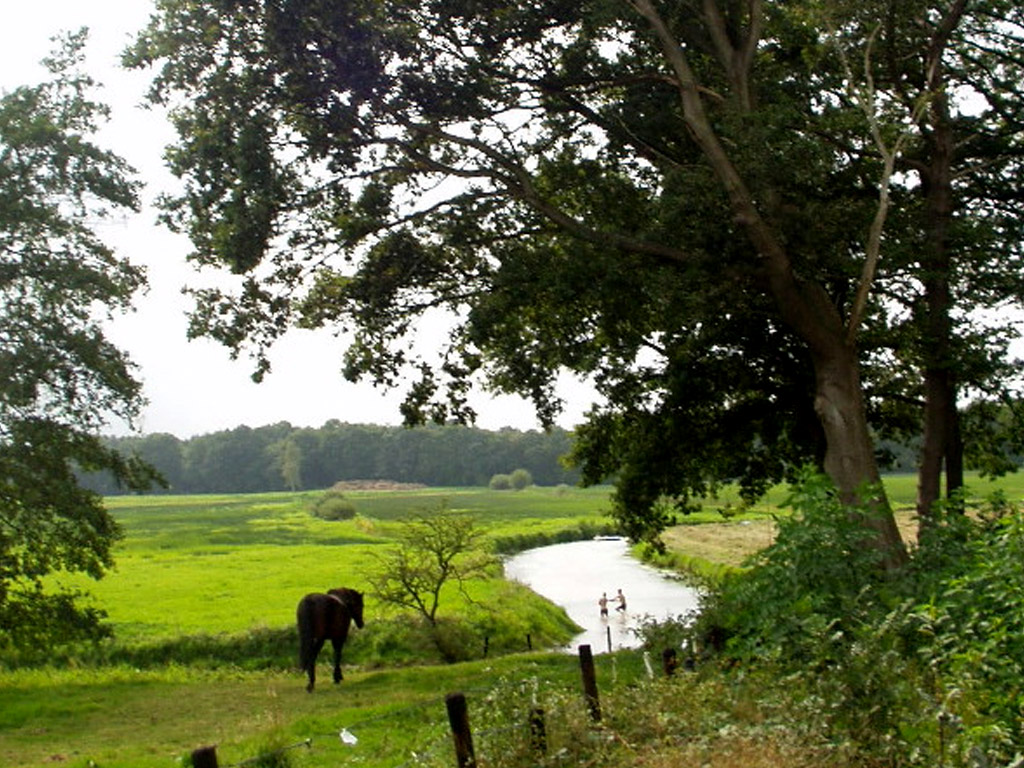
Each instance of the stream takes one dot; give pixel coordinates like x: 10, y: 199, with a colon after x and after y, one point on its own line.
x: 574, y: 576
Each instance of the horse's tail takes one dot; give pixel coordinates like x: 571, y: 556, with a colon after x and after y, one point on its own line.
x: 304, y: 618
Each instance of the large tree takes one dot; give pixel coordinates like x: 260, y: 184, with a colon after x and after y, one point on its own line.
x: 60, y: 379
x: 689, y: 201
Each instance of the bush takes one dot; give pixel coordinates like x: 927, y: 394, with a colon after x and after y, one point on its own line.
x: 334, y: 506
x: 521, y: 479
x: 972, y: 633
x: 518, y: 480
x: 501, y: 483
x: 817, y: 578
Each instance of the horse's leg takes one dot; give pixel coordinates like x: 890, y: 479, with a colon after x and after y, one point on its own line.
x: 318, y: 643
x: 337, y: 658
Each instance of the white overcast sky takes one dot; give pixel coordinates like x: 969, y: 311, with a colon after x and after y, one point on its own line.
x: 193, y: 387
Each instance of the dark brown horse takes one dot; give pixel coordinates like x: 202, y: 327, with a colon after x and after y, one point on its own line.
x: 322, y: 617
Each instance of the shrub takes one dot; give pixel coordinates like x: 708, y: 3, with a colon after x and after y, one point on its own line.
x: 818, y: 578
x: 817, y: 607
x: 334, y: 506
x: 972, y: 630
x: 520, y: 479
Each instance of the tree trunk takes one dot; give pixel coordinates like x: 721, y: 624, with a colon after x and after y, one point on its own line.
x: 941, y: 428
x: 849, y: 454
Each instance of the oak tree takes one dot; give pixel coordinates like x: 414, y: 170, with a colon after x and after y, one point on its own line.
x: 702, y: 205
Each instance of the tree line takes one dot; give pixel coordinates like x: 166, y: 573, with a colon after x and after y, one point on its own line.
x: 282, y: 457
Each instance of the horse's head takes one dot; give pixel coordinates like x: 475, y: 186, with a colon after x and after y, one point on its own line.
x: 356, y: 604
x: 353, y: 600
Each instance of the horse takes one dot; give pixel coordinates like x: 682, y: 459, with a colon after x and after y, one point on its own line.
x: 326, y: 616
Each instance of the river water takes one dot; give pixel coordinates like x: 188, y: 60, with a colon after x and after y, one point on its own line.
x: 574, y: 575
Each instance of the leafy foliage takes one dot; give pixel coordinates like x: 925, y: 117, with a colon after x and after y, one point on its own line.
x: 974, y: 632
x: 60, y: 379
x: 928, y: 664
x: 683, y: 203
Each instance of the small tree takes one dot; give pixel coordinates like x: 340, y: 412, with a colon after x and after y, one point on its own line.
x: 290, y: 458
x: 434, y: 548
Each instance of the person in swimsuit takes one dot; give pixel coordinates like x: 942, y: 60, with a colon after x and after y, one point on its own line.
x: 603, y: 603
x: 622, y: 601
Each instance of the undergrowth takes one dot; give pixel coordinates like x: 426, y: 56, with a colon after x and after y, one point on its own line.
x: 924, y: 668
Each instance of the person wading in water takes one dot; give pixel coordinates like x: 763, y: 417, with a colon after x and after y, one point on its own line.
x: 622, y: 601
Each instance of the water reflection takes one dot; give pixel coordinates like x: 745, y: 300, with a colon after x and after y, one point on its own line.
x: 575, y: 575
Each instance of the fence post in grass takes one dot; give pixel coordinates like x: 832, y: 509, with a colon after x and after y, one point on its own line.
x: 609, y: 631
x: 538, y: 731
x: 590, y: 683
x: 529, y: 642
x: 669, y: 661
x: 458, y: 718
x: 204, y: 757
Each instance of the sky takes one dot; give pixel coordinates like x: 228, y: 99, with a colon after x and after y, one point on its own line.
x: 192, y: 386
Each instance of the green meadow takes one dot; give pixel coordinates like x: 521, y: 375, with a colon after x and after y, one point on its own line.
x: 202, y: 603
x: 230, y: 564
x: 204, y: 650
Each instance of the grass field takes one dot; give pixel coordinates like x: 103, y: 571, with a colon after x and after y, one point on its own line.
x: 227, y: 564
x: 204, y: 582
x: 202, y: 602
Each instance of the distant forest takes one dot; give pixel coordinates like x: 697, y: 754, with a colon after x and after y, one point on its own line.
x: 282, y: 457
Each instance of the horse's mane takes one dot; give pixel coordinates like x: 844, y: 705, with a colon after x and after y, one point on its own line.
x: 345, y: 595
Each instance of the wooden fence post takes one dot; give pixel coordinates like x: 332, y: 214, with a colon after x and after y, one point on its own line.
x: 458, y: 718
x: 538, y: 731
x: 669, y: 661
x: 590, y: 682
x: 609, y: 630
x: 204, y: 757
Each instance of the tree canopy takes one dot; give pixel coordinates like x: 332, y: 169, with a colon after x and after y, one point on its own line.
x: 764, y: 229
x: 60, y: 379
x: 282, y: 457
